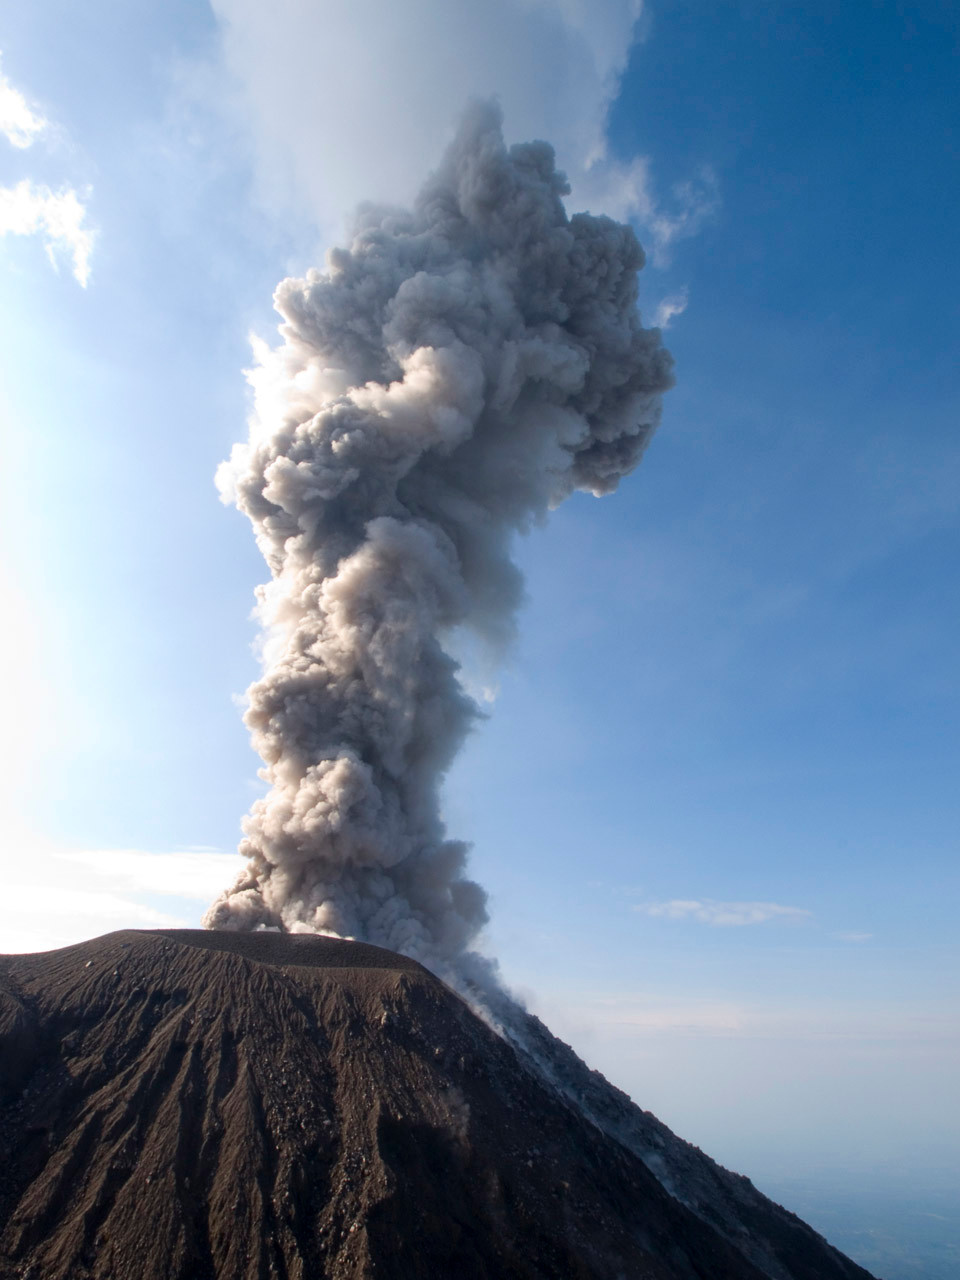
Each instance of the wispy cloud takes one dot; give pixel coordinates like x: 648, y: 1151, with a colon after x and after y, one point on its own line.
x: 627, y: 191
x: 58, y: 217
x: 57, y: 897
x: 673, y: 305
x: 723, y: 914
x: 20, y: 124
x: 29, y: 209
x: 683, y: 1017
x: 633, y: 1016
x: 851, y: 936
x: 692, y: 205
x: 197, y: 874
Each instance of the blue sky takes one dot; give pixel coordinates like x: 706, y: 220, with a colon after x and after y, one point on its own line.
x: 715, y: 801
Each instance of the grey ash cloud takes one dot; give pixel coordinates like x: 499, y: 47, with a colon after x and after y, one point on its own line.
x: 454, y: 374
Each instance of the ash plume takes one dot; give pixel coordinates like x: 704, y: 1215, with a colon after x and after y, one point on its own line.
x: 459, y: 370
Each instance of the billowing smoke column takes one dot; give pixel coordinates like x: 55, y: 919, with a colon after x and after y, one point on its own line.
x: 458, y: 371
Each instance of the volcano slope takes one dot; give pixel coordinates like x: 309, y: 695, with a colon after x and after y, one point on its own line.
x: 179, y: 1105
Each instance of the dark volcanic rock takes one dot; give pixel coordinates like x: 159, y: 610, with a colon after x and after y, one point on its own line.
x: 180, y: 1105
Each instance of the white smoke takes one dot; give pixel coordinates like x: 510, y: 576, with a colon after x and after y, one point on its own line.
x: 456, y: 372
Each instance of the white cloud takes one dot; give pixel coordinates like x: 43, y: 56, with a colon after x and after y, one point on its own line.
x: 27, y: 209
x: 708, y: 911
x: 851, y: 936
x: 198, y: 874
x: 57, y: 897
x: 673, y: 305
x: 19, y: 123
x: 352, y: 100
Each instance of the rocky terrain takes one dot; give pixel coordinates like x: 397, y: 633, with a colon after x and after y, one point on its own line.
x: 182, y: 1105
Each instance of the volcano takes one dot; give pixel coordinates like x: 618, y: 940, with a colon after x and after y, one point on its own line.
x: 186, y: 1104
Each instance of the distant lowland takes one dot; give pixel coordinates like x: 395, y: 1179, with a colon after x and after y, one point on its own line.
x: 896, y: 1230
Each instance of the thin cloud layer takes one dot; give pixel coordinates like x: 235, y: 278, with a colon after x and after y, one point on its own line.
x: 708, y: 911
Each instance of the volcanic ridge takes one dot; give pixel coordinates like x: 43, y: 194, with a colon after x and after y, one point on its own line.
x: 188, y: 1104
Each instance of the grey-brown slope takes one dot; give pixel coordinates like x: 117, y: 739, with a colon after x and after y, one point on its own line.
x: 183, y: 1105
